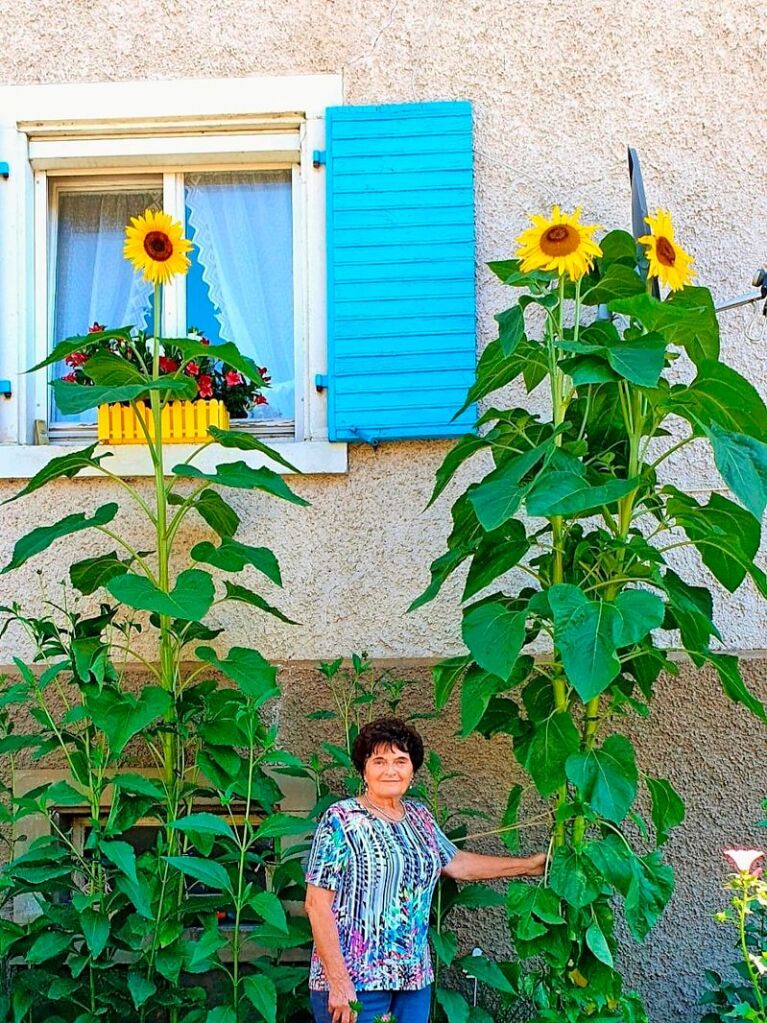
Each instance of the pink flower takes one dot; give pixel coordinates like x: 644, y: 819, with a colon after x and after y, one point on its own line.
x: 744, y: 859
x: 96, y: 328
x: 70, y: 378
x: 205, y: 386
x: 233, y: 378
x: 192, y: 369
x: 76, y: 359
x: 168, y: 365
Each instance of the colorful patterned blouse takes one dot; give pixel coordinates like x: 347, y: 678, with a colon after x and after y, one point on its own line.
x: 384, y: 876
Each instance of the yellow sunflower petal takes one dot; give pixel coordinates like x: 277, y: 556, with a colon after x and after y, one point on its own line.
x: 155, y: 245
x: 560, y: 243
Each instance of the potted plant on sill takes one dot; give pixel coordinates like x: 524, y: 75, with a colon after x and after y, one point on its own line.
x: 207, y: 384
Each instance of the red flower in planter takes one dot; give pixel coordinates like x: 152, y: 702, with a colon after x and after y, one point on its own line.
x: 261, y: 400
x: 203, y: 341
x: 204, y: 386
x: 265, y: 374
x: 96, y: 328
x: 192, y: 369
x: 168, y: 365
x: 70, y: 378
x: 77, y: 359
x: 233, y: 378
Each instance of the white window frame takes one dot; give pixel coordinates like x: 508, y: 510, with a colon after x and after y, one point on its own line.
x: 47, y: 132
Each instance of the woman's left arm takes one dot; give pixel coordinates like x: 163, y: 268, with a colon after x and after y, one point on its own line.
x: 468, y: 866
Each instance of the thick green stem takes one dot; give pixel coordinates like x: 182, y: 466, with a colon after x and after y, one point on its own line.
x: 741, y: 905
x: 238, y: 904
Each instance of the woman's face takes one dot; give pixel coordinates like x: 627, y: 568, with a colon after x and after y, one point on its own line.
x: 388, y: 773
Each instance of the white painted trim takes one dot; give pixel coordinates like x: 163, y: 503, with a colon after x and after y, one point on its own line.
x: 22, y: 461
x: 181, y: 98
x: 171, y: 151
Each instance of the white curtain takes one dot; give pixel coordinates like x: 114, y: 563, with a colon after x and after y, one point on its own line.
x: 242, y: 228
x: 93, y: 281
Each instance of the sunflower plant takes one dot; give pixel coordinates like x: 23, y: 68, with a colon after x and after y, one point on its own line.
x: 193, y: 927
x: 574, y: 604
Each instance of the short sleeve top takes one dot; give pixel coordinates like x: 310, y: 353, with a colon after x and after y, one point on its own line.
x: 383, y: 875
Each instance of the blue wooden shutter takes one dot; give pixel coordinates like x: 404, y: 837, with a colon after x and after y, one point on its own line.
x: 401, y: 303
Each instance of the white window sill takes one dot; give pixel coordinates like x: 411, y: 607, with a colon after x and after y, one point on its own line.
x: 22, y: 461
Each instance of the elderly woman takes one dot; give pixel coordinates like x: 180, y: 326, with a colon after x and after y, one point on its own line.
x: 371, y: 873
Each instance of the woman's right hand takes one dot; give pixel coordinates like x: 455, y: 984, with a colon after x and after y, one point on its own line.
x: 340, y: 997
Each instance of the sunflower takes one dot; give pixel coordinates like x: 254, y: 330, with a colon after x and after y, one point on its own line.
x: 155, y: 244
x: 561, y: 244
x: 668, y: 260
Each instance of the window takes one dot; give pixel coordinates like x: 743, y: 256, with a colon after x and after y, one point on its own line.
x: 240, y: 286
x: 233, y: 160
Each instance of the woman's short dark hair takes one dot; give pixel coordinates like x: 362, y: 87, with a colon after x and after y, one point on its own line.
x: 391, y: 733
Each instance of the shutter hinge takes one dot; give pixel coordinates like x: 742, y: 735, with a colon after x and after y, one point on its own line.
x: 5, y: 170
x: 321, y: 381
x: 319, y: 158
x: 5, y: 385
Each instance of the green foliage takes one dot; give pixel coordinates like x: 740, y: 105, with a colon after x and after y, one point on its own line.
x: 573, y: 505
x: 194, y: 924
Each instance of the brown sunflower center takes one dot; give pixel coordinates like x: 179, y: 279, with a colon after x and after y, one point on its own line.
x: 665, y: 251
x: 158, y: 246
x: 560, y: 240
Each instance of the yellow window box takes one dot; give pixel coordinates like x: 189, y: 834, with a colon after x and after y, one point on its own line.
x: 183, y: 422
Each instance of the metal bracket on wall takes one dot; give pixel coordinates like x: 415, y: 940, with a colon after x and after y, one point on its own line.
x: 5, y: 386
x: 319, y: 158
x: 321, y: 381
x: 5, y: 170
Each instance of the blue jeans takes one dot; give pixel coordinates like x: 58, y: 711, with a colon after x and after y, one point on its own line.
x: 405, y: 1006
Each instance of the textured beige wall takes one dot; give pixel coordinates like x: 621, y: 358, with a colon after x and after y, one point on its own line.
x: 559, y: 89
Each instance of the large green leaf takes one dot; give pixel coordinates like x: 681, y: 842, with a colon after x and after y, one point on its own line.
x: 441, y: 569
x: 494, y: 635
x: 742, y: 464
x: 667, y: 807
x: 47, y: 946
x: 222, y: 519
x: 445, y: 945
x: 72, y: 399
x: 192, y: 349
x: 726, y: 536
x: 573, y: 877
x: 652, y: 884
x: 141, y: 988
x: 95, y: 925
x: 720, y: 396
x: 552, y: 742
x: 204, y: 824
x: 262, y: 995
x: 692, y: 608
x: 618, y: 281
x: 497, y: 553
x: 40, y: 539
x: 122, y: 855
x: 495, y: 370
x: 511, y: 328
x: 280, y: 825
x: 121, y: 715
x: 243, y: 441
x: 446, y: 674
x: 91, y: 573
x: 566, y: 493
x: 640, y: 361
x: 487, y: 972
x: 62, y: 467
x: 251, y: 672
x: 641, y: 612
x: 477, y: 689
x: 455, y: 1006
x: 585, y: 634
x: 109, y: 370
x: 76, y: 344
x: 269, y: 908
x: 233, y: 556
x: 687, y: 319
x: 464, y: 449
x: 606, y: 777
x: 728, y: 669
x: 499, y: 495
x: 208, y: 872
x: 243, y: 595
x: 190, y: 599
x: 241, y: 476
x: 598, y: 944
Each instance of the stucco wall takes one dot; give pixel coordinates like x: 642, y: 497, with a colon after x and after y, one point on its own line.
x: 559, y: 89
